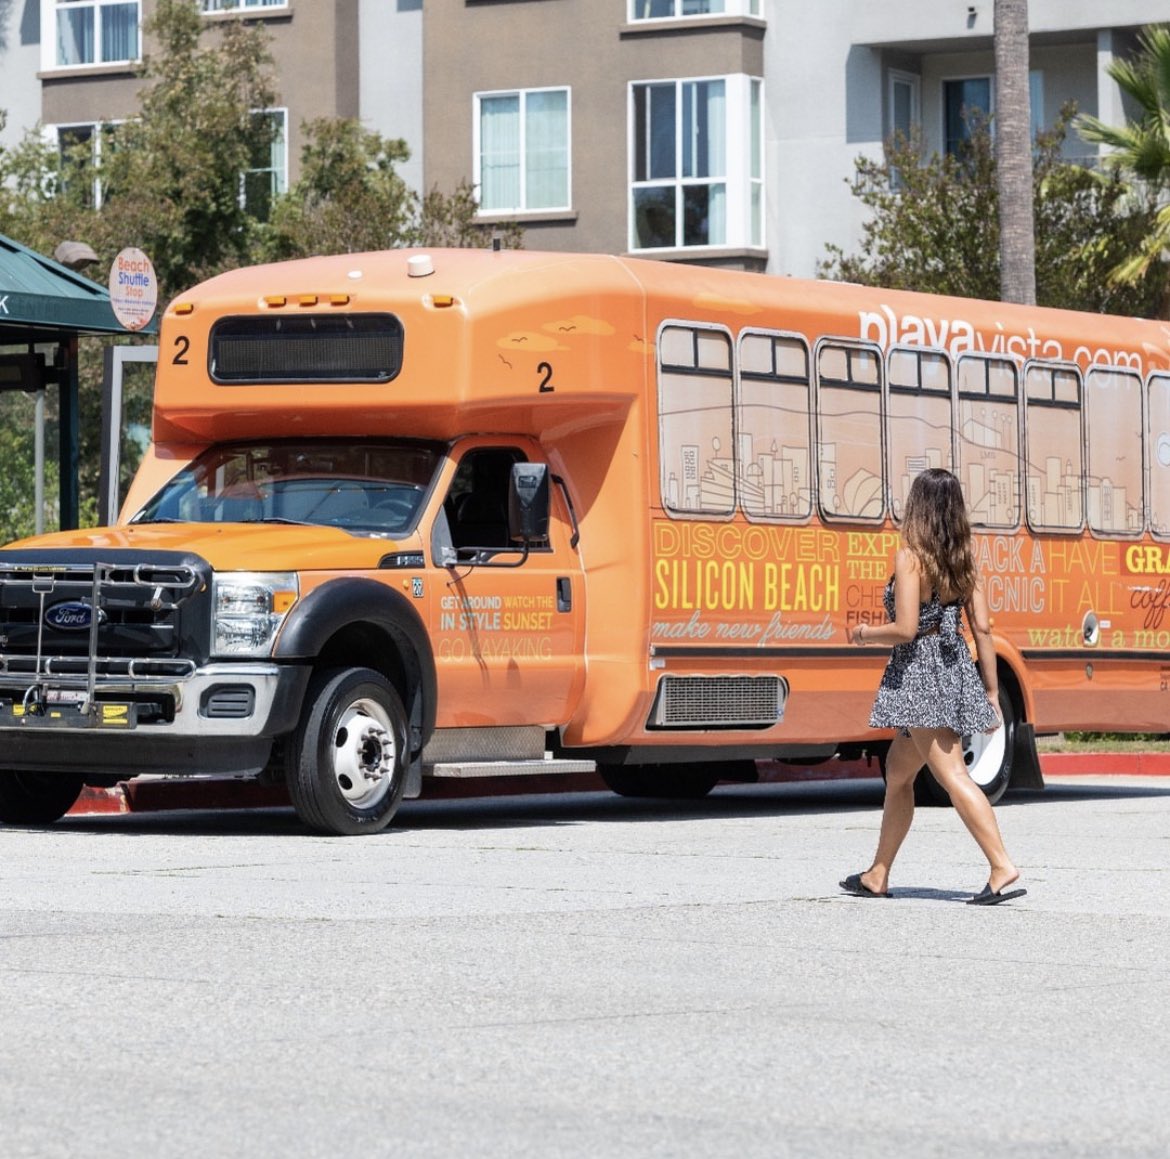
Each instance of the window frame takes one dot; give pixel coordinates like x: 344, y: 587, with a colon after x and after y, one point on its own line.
x: 101, y: 136
x: 673, y: 509
x: 477, y: 150
x: 752, y: 8
x: 962, y: 79
x: 742, y: 375
x: 1030, y: 404
x: 279, y: 173
x: 850, y: 346
x: 743, y: 180
x: 1087, y: 422
x: 892, y: 422
x: 51, y: 39
x: 895, y: 77
x: 1016, y: 402
x: 1157, y: 455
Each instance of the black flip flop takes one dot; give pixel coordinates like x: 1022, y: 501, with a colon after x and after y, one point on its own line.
x: 854, y: 885
x: 986, y: 897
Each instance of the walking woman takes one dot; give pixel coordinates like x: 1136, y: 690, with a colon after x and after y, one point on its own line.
x: 931, y: 691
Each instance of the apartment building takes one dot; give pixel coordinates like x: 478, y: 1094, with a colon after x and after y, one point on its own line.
x: 67, y: 65
x: 725, y: 131
x: 721, y: 132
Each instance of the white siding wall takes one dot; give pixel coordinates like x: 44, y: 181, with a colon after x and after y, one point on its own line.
x: 20, y: 55
x: 391, y: 76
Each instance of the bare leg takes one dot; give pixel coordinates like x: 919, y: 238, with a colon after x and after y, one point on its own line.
x: 946, y: 763
x: 902, y: 764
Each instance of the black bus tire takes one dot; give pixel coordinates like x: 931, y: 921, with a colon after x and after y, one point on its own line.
x: 37, y: 798
x: 347, y: 760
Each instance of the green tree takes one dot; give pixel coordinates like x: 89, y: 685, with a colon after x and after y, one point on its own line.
x: 170, y: 181
x: 350, y: 198
x: 1140, y: 149
x: 936, y: 227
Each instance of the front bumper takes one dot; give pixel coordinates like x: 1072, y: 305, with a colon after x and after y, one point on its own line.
x: 222, y: 718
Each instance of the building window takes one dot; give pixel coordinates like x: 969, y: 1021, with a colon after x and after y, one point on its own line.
x: 680, y: 9
x: 697, y: 166
x: 970, y: 102
x: 966, y: 105
x: 522, y: 150
x: 904, y: 113
x: 240, y: 5
x: 268, y: 176
x: 89, y: 32
x: 80, y: 149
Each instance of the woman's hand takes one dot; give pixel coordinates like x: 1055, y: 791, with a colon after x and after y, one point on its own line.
x: 857, y: 635
x: 994, y: 702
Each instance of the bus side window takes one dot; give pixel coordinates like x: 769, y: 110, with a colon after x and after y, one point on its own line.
x: 1055, y: 461
x: 918, y: 426
x: 1113, y: 434
x: 1158, y: 443
x: 849, y: 431
x: 989, y: 439
x: 773, y: 419
x: 696, y: 443
x: 477, y: 504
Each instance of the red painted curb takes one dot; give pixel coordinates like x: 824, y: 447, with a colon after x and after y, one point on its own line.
x: 149, y: 796
x: 1105, y: 764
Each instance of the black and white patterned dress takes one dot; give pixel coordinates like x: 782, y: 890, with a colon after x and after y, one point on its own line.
x: 932, y: 681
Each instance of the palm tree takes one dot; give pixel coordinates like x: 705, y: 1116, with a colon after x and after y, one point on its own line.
x: 1140, y: 149
x: 1013, y: 154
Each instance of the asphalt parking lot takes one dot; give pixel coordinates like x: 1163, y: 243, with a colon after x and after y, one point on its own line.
x: 585, y: 975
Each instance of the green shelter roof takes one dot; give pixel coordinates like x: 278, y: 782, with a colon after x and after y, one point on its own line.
x: 39, y: 294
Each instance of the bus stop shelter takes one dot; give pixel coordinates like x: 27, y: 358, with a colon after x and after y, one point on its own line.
x: 45, y: 304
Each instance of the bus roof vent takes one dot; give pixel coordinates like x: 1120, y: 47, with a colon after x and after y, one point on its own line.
x: 719, y: 702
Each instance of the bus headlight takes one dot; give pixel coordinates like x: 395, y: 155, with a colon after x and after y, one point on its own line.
x: 249, y: 608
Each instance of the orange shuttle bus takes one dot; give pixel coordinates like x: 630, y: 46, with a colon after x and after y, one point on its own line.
x: 414, y: 514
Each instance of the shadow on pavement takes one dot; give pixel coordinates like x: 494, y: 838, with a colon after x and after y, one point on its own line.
x: 495, y: 812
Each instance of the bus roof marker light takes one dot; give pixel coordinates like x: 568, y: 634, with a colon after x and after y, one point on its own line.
x: 441, y: 300
x: 184, y: 307
x: 338, y: 299
x: 307, y: 300
x: 419, y: 265
x: 275, y: 300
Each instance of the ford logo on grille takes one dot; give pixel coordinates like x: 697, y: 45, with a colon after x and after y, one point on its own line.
x: 71, y: 616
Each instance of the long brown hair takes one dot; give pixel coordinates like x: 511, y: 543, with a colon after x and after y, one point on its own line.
x: 936, y: 528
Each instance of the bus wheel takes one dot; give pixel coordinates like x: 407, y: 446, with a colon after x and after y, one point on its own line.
x: 681, y: 782
x: 37, y: 798
x: 988, y: 757
x: 346, y: 764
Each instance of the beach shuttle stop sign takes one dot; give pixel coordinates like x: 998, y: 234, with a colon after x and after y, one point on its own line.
x: 133, y: 288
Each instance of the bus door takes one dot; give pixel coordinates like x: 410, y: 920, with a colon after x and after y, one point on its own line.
x: 508, y: 628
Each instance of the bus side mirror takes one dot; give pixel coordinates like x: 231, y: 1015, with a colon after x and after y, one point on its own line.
x: 528, y: 502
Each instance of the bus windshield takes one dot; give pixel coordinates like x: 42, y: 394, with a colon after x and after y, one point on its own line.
x: 365, y: 487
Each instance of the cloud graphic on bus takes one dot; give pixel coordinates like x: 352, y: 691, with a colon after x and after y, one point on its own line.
x: 529, y: 340
x: 579, y: 324
x: 731, y: 305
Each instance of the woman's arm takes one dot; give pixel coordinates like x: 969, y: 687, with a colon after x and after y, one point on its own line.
x: 907, y: 601
x: 980, y: 621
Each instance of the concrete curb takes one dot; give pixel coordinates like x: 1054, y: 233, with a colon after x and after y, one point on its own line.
x: 156, y: 794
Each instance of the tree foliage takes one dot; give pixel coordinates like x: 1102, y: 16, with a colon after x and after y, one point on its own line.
x: 171, y: 182
x: 934, y: 226
x: 1140, y: 149
x: 350, y: 198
